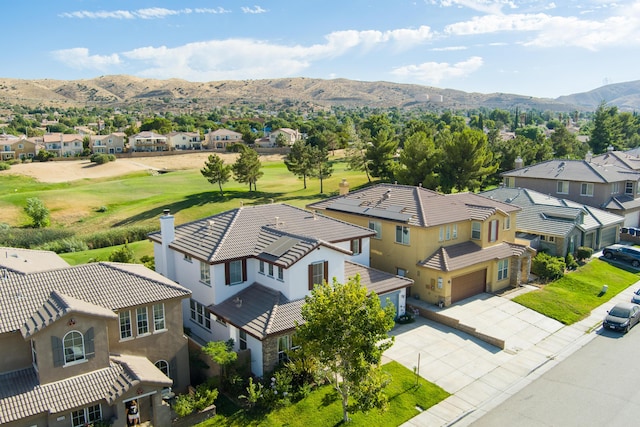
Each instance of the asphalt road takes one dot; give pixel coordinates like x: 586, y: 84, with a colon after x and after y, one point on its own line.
x: 599, y: 385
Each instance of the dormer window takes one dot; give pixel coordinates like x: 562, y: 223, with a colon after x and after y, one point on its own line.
x: 628, y: 187
x: 73, y: 347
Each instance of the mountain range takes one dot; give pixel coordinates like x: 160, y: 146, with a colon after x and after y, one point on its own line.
x: 121, y: 91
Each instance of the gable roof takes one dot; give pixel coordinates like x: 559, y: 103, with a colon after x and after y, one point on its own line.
x: 30, y: 260
x: 575, y: 170
x: 374, y: 280
x: 111, y: 286
x: 414, y: 205
x: 629, y: 159
x: 252, y: 231
x: 22, y: 396
x: 461, y: 255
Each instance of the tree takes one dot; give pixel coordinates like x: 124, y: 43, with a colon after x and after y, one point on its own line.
x: 246, y: 169
x: 566, y: 145
x: 346, y: 330
x: 380, y: 155
x: 419, y: 162
x: 222, y: 353
x: 37, y: 211
x: 606, y: 129
x: 468, y: 160
x: 216, y: 171
x: 320, y: 166
x: 298, y: 160
x: 356, y: 151
x: 123, y: 254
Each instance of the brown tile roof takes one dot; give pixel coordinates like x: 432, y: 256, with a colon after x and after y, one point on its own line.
x: 22, y: 396
x: 374, y: 280
x: 247, y: 231
x: 455, y: 257
x: 109, y: 285
x: 29, y: 260
x: 575, y: 170
x: 414, y: 205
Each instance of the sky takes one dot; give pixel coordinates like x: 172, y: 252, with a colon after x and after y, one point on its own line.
x: 527, y: 47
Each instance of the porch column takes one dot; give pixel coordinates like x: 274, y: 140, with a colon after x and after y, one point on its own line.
x: 161, y: 411
x: 120, y: 415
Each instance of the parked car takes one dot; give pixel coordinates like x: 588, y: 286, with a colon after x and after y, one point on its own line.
x: 622, y: 317
x: 630, y: 254
x: 636, y: 297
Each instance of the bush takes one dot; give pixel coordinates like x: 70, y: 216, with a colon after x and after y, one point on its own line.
x: 44, y: 156
x: 570, y: 262
x: 99, y: 159
x: 204, y: 396
x: 123, y: 254
x: 38, y: 212
x: 4, y: 166
x: 71, y: 244
x: 584, y: 252
x: 548, y: 267
x: 404, y: 318
x: 30, y: 238
x: 118, y: 236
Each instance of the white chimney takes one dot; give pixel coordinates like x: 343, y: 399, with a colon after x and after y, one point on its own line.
x: 519, y: 163
x: 588, y: 156
x: 166, y: 265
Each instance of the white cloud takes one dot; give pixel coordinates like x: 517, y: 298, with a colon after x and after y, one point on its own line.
x: 255, y: 10
x: 449, y: 48
x: 148, y: 13
x: 495, y: 23
x: 102, y: 14
x: 485, y: 6
x: 434, y: 72
x: 79, y: 58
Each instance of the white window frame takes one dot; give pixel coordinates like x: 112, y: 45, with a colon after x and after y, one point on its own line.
x: 280, y: 273
x: 586, y: 189
x: 377, y: 227
x: 447, y: 232
x: 270, y: 270
x: 205, y: 273
x: 187, y: 258
x: 318, y: 273
x: 142, y: 321
x: 494, y: 233
x: 615, y: 188
x: 503, y: 269
x: 159, y: 320
x: 74, y: 344
x: 476, y: 230
x: 454, y: 234
x: 403, y: 236
x: 199, y: 314
x: 628, y: 187
x: 441, y: 234
x: 126, y: 316
x: 506, y: 225
x: 261, y: 267
x: 355, y: 246
x: 163, y: 366
x: 87, y: 415
x: 562, y: 187
x: 235, y: 272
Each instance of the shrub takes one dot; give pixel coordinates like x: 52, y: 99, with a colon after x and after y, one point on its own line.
x: 99, y: 159
x: 44, y: 156
x: 4, y: 166
x: 122, y: 254
x: 584, y: 252
x: 204, y: 396
x: 118, y: 236
x: 405, y: 318
x: 548, y: 267
x: 30, y: 238
x: 37, y: 211
x: 111, y: 157
x: 102, y: 209
x: 71, y: 244
x: 570, y: 262
x: 149, y: 262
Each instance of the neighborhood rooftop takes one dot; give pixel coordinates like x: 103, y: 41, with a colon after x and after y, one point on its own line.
x: 575, y: 170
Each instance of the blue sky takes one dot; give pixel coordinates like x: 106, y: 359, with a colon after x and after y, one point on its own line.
x: 528, y: 47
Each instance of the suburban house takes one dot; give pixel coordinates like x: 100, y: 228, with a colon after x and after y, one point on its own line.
x: 453, y: 246
x: 148, y: 141
x: 25, y: 149
x: 220, y: 138
x: 82, y: 342
x: 63, y: 144
x: 559, y: 226
x: 626, y: 159
x: 8, y: 146
x: 290, y: 135
x: 606, y: 186
x: 184, y: 141
x: 108, y: 144
x: 250, y: 268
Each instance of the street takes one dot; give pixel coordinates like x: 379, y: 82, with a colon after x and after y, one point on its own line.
x: 599, y: 385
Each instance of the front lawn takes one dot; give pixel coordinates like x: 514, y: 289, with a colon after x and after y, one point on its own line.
x: 574, y: 296
x: 323, y: 408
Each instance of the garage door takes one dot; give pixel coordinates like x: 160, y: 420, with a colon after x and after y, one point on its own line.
x: 608, y: 236
x: 468, y: 285
x: 393, y: 297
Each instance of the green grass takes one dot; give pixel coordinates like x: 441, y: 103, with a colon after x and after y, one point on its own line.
x: 573, y: 297
x: 140, y: 249
x: 323, y: 408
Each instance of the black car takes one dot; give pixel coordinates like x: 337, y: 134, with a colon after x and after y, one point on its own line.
x: 622, y: 317
x: 629, y: 254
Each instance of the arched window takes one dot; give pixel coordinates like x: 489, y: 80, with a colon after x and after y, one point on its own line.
x: 163, y: 366
x: 73, y: 344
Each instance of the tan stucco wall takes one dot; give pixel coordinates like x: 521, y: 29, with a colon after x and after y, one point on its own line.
x: 19, y: 357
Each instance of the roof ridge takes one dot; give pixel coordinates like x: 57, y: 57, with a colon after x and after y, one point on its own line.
x: 114, y: 265
x: 236, y: 215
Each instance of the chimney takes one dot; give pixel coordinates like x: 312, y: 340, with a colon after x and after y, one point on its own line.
x: 519, y: 163
x: 588, y: 156
x: 344, y: 187
x: 164, y: 262
x: 610, y: 148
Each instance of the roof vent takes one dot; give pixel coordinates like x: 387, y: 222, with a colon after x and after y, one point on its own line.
x: 166, y: 211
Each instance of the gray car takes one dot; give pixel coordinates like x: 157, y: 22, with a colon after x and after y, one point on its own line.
x: 629, y: 254
x: 622, y: 317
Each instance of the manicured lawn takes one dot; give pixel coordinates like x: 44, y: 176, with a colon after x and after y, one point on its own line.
x: 140, y: 249
x: 572, y: 297
x: 323, y: 408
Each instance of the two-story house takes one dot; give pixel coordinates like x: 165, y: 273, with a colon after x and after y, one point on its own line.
x: 80, y: 343
x: 290, y: 136
x: 7, y: 149
x: 63, y: 144
x: 606, y: 186
x: 249, y: 270
x: 184, y: 141
x: 148, y: 141
x: 559, y: 226
x: 108, y: 144
x: 453, y: 246
x: 220, y: 138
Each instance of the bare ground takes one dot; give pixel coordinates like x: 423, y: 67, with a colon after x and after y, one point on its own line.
x: 65, y: 171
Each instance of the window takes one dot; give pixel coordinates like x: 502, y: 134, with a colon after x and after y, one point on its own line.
x: 200, y: 315
x: 586, y: 189
x: 475, y: 230
x: 441, y: 234
x: 34, y: 355
x: 509, y: 182
x: 187, y: 258
x: 318, y: 273
x: 562, y: 187
x: 242, y: 339
x: 356, y: 246
x: 493, y: 230
x: 205, y: 273
x: 402, y: 234
x: 615, y: 188
x: 286, y: 344
x: 86, y: 416
x: 261, y: 268
x: 503, y: 269
x: 454, y: 234
x: 377, y: 227
x: 507, y: 223
x: 73, y: 345
x: 401, y: 272
x: 235, y: 272
x: 280, y: 273
x: 142, y: 320
x: 159, y: 323
x: 163, y: 366
x: 270, y: 274
x: 628, y: 187
x: 125, y: 325
x: 447, y: 234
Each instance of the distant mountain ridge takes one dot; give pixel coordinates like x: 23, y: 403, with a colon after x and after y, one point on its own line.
x: 176, y: 94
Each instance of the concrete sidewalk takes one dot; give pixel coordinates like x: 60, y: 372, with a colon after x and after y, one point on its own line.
x: 478, y: 375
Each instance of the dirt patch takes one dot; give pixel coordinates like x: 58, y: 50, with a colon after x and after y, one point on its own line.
x: 65, y: 171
